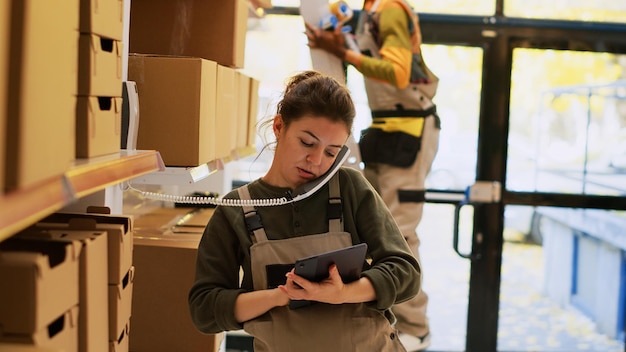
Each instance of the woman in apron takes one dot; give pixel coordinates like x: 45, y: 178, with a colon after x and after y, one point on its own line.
x: 244, y: 271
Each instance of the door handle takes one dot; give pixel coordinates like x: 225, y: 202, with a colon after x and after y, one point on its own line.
x: 479, y: 192
x: 458, y: 199
x: 455, y: 234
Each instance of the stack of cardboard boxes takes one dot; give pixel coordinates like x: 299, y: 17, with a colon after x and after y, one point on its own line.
x: 60, y: 86
x: 99, y: 105
x: 39, y: 302
x: 87, y: 290
x: 196, y: 105
x: 119, y: 276
x: 60, y: 99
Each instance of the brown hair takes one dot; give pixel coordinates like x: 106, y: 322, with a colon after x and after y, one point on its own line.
x: 314, y: 94
x: 311, y: 93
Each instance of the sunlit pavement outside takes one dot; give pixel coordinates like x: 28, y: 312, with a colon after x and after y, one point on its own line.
x: 528, y: 321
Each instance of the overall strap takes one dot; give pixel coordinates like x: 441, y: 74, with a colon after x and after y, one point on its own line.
x: 397, y: 113
x: 335, y: 209
x: 252, y: 218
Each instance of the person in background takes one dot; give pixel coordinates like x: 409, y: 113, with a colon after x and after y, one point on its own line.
x: 399, y: 147
x: 312, y: 123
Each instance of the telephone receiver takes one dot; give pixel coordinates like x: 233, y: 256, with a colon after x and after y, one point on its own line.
x: 298, y: 194
x: 310, y: 188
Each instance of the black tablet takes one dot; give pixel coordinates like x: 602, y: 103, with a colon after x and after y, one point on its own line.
x: 349, y: 261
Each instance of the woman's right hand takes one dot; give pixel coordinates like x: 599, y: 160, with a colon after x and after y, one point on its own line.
x: 281, y: 297
x: 250, y: 305
x: 329, y: 290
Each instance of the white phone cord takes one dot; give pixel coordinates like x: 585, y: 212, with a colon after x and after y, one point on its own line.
x: 229, y: 202
x: 268, y: 202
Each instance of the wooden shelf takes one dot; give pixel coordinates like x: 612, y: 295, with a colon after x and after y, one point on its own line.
x: 24, y: 207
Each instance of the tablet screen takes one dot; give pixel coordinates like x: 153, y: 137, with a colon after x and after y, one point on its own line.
x: 349, y: 261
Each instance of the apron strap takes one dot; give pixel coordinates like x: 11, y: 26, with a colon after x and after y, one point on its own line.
x: 335, y: 209
x: 399, y: 113
x: 252, y: 218
x: 255, y: 225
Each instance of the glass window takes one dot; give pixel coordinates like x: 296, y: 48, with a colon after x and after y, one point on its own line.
x: 458, y: 7
x: 276, y: 48
x: 580, y: 10
x: 455, y: 7
x: 567, y: 122
x: 458, y: 98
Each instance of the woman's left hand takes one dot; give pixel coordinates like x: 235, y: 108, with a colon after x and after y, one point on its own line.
x: 329, y: 290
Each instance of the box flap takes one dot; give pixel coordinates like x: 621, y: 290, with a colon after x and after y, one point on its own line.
x: 95, y: 209
x: 55, y: 252
x: 38, y: 260
x: 127, y: 221
x: 142, y: 56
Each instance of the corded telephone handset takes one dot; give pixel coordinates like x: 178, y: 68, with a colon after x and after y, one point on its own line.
x: 300, y: 193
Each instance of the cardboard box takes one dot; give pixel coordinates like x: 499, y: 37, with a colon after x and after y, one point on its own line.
x: 119, y: 230
x: 100, y: 66
x: 120, y: 303
x: 226, y: 111
x: 209, y: 29
x: 102, y: 17
x: 98, y: 126
x: 18, y: 347
x: 5, y: 22
x: 254, y: 111
x: 171, y: 278
x: 186, y: 222
x: 121, y: 344
x: 266, y: 4
x: 243, y: 109
x: 43, y: 68
x: 93, y: 301
x: 177, y: 98
x: 60, y: 335
x: 42, y: 281
x: 93, y: 267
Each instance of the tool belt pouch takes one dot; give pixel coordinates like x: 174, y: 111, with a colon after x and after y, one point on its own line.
x: 394, y: 148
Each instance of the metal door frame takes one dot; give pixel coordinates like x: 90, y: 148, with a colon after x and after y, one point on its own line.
x: 498, y: 36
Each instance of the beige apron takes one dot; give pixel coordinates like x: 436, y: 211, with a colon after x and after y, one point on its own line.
x: 384, y: 96
x: 320, y: 326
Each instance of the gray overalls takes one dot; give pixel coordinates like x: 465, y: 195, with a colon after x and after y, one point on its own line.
x: 320, y: 326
